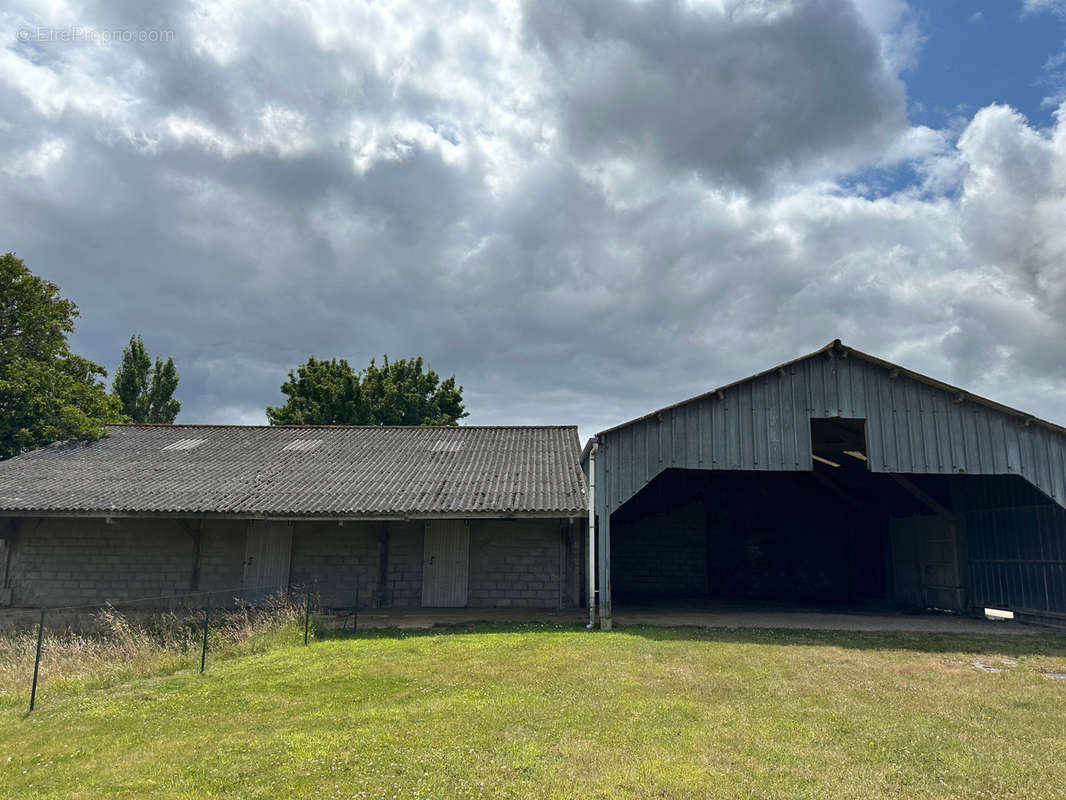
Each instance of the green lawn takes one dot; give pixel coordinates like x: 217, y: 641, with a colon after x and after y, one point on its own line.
x: 544, y: 712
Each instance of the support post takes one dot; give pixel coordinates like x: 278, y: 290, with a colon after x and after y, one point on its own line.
x: 383, y: 601
x: 307, y: 615
x: 37, y: 661
x: 9, y: 534
x: 592, y: 535
x: 606, y: 620
x: 194, y: 530
x: 203, y: 646
x: 603, y: 521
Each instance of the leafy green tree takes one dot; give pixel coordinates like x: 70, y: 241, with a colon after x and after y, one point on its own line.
x: 146, y: 391
x: 47, y: 393
x: 400, y: 392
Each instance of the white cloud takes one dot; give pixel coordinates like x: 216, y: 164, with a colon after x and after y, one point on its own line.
x: 484, y: 186
x: 35, y: 161
x: 899, y: 29
x: 1039, y: 6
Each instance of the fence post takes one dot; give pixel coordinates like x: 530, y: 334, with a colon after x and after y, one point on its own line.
x: 307, y: 614
x: 37, y: 661
x: 207, y: 620
x: 355, y: 609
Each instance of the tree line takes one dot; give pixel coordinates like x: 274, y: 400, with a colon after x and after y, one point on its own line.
x: 50, y: 394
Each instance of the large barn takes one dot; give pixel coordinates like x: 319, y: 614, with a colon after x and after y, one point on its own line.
x: 837, y: 479
x: 405, y: 517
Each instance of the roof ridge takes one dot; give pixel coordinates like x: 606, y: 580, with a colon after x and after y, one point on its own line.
x: 225, y: 426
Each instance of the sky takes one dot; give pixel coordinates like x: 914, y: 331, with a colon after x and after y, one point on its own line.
x: 584, y: 210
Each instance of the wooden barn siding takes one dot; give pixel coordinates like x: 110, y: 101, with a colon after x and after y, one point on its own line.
x: 764, y: 424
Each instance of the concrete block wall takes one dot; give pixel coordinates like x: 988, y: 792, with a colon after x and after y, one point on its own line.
x: 63, y: 561
x: 406, y: 540
x: 222, y: 554
x: 336, y: 558
x: 517, y: 564
x: 662, y: 553
x: 67, y: 561
x: 70, y: 561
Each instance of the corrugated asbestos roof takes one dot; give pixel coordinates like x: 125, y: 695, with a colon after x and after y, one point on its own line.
x: 304, y: 471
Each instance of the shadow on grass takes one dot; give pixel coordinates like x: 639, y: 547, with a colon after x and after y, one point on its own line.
x: 1037, y: 642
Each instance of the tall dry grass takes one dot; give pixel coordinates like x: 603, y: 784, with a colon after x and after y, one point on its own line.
x: 113, y: 644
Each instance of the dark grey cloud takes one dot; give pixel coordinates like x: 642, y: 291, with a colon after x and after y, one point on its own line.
x: 741, y: 92
x: 356, y: 180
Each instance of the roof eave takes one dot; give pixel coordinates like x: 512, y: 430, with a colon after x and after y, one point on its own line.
x: 293, y: 517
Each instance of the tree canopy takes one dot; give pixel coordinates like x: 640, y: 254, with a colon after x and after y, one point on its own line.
x: 47, y: 393
x: 146, y: 391
x: 401, y: 392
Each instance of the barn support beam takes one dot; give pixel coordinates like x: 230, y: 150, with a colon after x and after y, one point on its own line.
x: 924, y: 498
x: 839, y: 492
x: 604, y: 555
x: 606, y: 621
x: 593, y: 500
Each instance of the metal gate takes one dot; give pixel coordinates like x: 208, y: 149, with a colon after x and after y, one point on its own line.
x: 445, y: 564
x: 267, y: 550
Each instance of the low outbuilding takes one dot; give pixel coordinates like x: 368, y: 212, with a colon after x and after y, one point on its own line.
x: 402, y: 516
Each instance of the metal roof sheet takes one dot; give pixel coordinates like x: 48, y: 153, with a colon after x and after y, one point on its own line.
x: 275, y: 470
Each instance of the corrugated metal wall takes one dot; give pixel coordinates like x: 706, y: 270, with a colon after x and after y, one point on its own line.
x: 764, y: 424
x: 1018, y: 558
x: 1017, y: 547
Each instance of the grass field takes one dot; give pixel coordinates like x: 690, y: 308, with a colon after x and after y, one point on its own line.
x: 553, y: 712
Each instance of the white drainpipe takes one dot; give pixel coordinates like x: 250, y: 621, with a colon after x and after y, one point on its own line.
x: 592, y: 535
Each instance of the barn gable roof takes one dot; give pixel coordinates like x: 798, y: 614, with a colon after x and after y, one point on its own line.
x: 836, y: 347
x: 913, y: 424
x: 298, y: 471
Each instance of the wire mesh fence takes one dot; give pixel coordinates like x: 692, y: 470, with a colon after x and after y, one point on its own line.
x: 97, y: 645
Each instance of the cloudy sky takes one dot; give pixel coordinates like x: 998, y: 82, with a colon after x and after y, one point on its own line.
x: 584, y: 210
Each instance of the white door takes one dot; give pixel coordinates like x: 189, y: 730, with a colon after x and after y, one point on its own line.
x: 268, y: 546
x: 445, y: 564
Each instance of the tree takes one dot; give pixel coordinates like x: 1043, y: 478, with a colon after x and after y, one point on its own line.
x: 146, y: 392
x: 47, y: 393
x: 396, y: 393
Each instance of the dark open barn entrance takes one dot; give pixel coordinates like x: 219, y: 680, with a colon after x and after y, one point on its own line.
x: 749, y: 536
x: 841, y: 536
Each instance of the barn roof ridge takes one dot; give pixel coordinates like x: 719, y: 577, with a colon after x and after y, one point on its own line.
x: 233, y: 426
